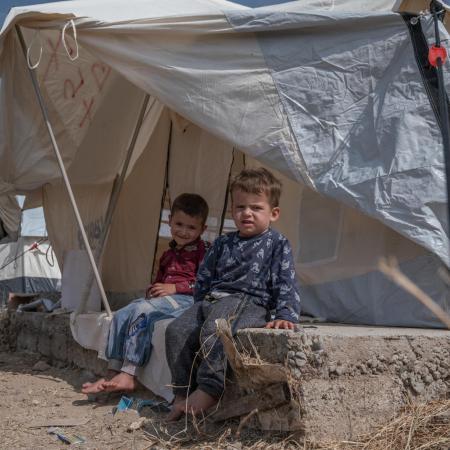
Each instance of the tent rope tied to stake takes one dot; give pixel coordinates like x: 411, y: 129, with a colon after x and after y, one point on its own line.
x: 33, y: 246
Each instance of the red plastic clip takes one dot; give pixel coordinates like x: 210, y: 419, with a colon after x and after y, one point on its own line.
x: 437, y: 52
x: 34, y: 246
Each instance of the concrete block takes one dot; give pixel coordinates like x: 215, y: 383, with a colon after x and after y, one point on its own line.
x: 59, y: 346
x: 347, y: 407
x: 351, y: 379
x: 27, y: 341
x: 44, y: 345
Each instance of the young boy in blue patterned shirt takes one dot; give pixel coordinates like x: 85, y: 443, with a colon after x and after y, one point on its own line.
x: 244, y: 275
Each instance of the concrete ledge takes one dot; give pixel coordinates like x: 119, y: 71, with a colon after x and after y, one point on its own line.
x: 348, y: 379
x: 48, y: 335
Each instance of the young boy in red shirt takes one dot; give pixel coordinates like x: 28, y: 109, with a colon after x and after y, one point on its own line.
x: 130, y: 334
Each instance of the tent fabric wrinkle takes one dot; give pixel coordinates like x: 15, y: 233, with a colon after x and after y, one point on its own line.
x: 271, y: 19
x: 116, y: 11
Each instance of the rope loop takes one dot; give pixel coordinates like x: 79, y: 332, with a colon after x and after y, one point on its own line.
x: 63, y: 39
x: 32, y: 66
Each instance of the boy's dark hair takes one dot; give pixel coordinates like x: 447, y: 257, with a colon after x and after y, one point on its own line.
x: 257, y: 181
x: 193, y: 205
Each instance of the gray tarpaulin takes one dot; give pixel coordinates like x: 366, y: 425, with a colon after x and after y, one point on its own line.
x: 360, y: 113
x: 384, y: 303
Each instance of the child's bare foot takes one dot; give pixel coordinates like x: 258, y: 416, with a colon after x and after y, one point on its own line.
x: 93, y: 388
x: 121, y: 382
x: 97, y: 386
x: 177, y: 410
x: 197, y: 403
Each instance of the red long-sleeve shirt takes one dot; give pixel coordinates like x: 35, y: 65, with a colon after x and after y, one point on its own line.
x: 179, y: 266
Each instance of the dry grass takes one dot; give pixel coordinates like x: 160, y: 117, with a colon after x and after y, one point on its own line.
x: 227, y: 436
x: 419, y: 427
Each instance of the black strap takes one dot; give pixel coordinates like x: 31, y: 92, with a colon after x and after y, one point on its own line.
x: 433, y: 81
x: 227, y: 193
x: 427, y: 71
x: 3, y: 232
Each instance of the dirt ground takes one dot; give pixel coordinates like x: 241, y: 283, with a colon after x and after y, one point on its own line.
x: 34, y: 400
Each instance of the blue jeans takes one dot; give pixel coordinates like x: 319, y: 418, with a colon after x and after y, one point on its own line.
x: 130, y: 333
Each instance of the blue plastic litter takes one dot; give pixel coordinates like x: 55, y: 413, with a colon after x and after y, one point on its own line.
x: 137, y: 404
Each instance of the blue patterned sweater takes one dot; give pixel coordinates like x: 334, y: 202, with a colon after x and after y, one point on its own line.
x: 261, y: 266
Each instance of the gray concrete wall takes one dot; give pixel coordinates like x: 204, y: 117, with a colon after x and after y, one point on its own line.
x: 48, y: 335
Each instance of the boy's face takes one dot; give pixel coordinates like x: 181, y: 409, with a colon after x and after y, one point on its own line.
x: 252, y: 213
x: 184, y: 228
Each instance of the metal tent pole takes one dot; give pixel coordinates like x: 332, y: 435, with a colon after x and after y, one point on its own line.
x: 163, y: 196
x: 64, y: 174
x: 225, y: 201
x: 117, y: 188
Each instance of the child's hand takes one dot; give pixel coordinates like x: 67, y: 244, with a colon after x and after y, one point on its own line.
x: 281, y: 324
x: 162, y: 289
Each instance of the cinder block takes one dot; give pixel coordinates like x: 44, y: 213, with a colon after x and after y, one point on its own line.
x: 350, y: 380
x: 59, y: 346
x: 27, y: 341
x: 44, y: 345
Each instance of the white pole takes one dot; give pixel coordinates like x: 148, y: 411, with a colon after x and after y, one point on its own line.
x: 64, y: 175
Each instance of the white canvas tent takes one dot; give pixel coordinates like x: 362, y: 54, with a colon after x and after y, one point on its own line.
x: 27, y: 268
x: 27, y: 262
x: 328, y: 94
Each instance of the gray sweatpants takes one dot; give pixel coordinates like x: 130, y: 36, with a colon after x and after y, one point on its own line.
x: 195, y: 331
